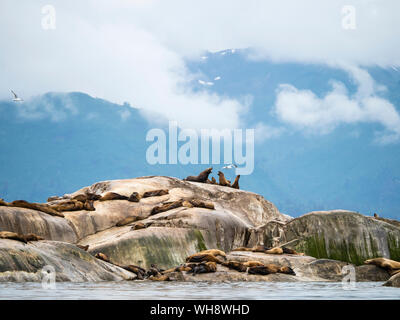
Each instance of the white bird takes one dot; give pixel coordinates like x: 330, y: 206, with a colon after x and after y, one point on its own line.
x: 217, y: 78
x: 16, y: 98
x: 230, y: 166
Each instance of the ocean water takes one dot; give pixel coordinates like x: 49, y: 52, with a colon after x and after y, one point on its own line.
x: 137, y: 290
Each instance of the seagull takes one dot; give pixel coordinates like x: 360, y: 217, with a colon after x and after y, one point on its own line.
x: 217, y: 78
x: 16, y: 98
x: 230, y: 166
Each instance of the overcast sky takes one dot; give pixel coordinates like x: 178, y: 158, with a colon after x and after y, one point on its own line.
x: 135, y: 51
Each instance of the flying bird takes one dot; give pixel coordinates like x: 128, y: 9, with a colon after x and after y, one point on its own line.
x: 16, y: 98
x: 230, y: 166
x: 217, y: 78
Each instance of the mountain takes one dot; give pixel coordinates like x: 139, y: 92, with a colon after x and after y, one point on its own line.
x: 59, y: 142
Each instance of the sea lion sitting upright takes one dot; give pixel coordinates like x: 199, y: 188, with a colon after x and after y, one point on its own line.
x: 235, y: 184
x: 213, y: 181
x: 202, y: 177
x: 222, y: 180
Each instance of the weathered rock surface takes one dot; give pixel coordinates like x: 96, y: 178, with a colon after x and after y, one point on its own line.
x: 24, y: 221
x: 338, y: 234
x: 21, y: 262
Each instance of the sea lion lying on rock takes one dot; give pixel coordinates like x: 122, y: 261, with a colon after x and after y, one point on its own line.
x: 155, y: 193
x: 127, y: 220
x: 200, y: 257
x: 160, y: 277
x: 391, y: 266
x: 113, y: 196
x: 270, y: 268
x: 204, y: 267
x: 36, y: 206
x: 102, y: 256
x: 138, y: 226
x: 198, y: 203
x: 214, y: 252
x: 222, y: 180
x: 252, y: 263
x: 180, y: 268
x: 19, y: 237
x: 140, y: 272
x: 166, y: 206
x: 202, y: 177
x: 235, y: 265
x: 134, y: 197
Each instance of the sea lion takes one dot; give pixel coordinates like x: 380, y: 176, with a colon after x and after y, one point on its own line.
x: 291, y: 251
x: 166, y: 206
x: 222, y: 180
x: 264, y: 270
x: 32, y: 237
x: 102, y: 256
x: 138, y: 226
x: 36, y: 206
x: 68, y: 205
x: 259, y: 248
x: 160, y: 277
x: 113, y: 196
x: 153, y: 271
x: 198, y: 257
x: 202, y: 204
x: 126, y: 221
x: 275, y: 250
x: 93, y: 196
x: 213, y: 181
x: 252, y: 263
x: 235, y: 184
x: 134, y: 197
x: 187, y: 204
x: 235, y: 265
x: 376, y: 215
x: 214, y: 252
x: 242, y: 249
x: 390, y: 265
x: 88, y: 205
x: 287, y: 270
x: 140, y: 272
x: 155, y: 193
x: 84, y: 248
x: 12, y: 236
x: 80, y: 197
x: 202, y: 177
x: 3, y: 203
x: 204, y: 267
x: 180, y: 268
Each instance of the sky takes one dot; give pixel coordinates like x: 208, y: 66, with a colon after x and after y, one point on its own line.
x: 137, y: 52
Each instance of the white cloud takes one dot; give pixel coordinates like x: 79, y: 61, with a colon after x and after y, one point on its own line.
x: 264, y: 132
x: 305, y: 110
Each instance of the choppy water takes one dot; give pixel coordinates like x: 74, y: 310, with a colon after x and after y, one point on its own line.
x: 137, y: 290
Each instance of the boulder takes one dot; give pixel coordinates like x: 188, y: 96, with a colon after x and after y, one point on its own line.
x: 338, y: 235
x: 21, y: 262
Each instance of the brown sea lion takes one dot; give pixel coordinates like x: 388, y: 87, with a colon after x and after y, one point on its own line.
x: 138, y: 226
x: 12, y: 236
x: 235, y: 265
x: 264, y: 270
x: 68, y: 205
x: 84, y: 248
x: 134, y: 197
x: 102, y: 256
x: 160, y: 277
x: 260, y: 248
x: 213, y: 181
x: 287, y: 270
x: 376, y: 215
x: 187, y: 204
x: 155, y: 193
x: 275, y: 250
x: 291, y: 251
x: 204, y: 267
x: 36, y: 206
x: 3, y: 203
x: 242, y: 249
x: 166, y: 206
x: 113, y: 196
x: 126, y: 221
x: 153, y: 271
x: 180, y: 268
x: 235, y: 184
x: 140, y: 272
x: 202, y: 177
x: 214, y: 252
x: 198, y: 257
x: 222, y: 180
x: 252, y: 263
x: 88, y: 205
x: 80, y: 197
x: 32, y: 237
x: 389, y: 265
x: 54, y: 198
x: 93, y: 196
x: 202, y: 204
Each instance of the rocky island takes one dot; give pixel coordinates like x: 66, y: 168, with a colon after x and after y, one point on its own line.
x: 162, y: 228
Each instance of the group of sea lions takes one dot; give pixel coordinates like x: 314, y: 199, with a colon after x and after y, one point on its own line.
x: 267, y: 250
x: 203, y: 177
